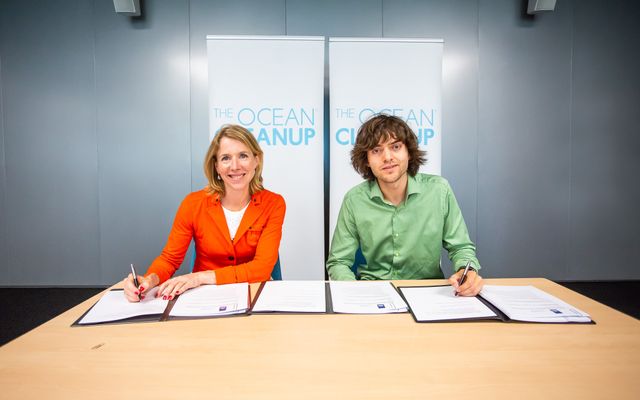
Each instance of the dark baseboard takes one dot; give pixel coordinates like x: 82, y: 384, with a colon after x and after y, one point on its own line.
x: 621, y: 295
x: 25, y: 308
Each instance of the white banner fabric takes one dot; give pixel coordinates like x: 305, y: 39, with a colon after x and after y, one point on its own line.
x: 274, y: 86
x: 401, y: 77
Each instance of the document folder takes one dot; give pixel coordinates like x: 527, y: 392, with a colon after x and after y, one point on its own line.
x: 502, y: 303
x: 207, y: 301
x: 302, y: 297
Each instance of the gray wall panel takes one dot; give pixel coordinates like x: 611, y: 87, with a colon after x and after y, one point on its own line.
x: 50, y: 143
x: 142, y: 86
x: 245, y: 17
x: 334, y: 18
x: 457, y: 23
x: 4, y: 268
x: 605, y: 141
x: 104, y: 126
x: 524, y: 143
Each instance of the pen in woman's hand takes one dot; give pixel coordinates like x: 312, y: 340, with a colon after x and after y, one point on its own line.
x: 135, y: 280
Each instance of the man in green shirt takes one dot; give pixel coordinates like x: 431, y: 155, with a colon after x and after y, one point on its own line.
x: 399, y: 218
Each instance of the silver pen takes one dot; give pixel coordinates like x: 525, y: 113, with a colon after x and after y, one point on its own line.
x: 464, y: 275
x: 135, y: 280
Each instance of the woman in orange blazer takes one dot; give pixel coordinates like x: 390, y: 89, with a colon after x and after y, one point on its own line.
x: 235, y: 222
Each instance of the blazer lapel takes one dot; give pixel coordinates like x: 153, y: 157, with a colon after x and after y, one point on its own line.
x: 214, y: 209
x: 250, y: 216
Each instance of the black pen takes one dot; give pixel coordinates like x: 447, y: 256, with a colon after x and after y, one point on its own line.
x: 135, y: 280
x: 464, y: 275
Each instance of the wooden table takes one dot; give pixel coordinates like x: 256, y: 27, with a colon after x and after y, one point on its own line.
x: 329, y: 357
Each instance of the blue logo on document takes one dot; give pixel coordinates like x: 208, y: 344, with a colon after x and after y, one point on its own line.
x: 380, y: 305
x: 222, y: 308
x: 553, y: 310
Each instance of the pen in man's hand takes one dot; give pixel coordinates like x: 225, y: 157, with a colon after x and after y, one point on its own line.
x: 464, y: 275
x: 135, y: 280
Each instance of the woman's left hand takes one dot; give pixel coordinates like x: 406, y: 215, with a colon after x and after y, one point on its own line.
x: 180, y: 284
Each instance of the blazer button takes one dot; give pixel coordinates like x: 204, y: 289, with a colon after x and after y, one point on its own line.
x: 230, y: 258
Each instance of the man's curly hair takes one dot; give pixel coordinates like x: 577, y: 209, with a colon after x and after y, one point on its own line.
x: 382, y: 127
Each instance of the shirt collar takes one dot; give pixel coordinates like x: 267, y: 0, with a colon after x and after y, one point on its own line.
x: 256, y: 198
x: 374, y: 190
x: 412, y: 188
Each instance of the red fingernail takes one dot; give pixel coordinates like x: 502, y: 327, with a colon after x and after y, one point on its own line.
x: 170, y: 297
x: 141, y: 289
x: 142, y: 296
x: 164, y: 297
x: 177, y: 292
x: 136, y: 292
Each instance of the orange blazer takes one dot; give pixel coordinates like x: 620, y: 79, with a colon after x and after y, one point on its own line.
x: 250, y: 257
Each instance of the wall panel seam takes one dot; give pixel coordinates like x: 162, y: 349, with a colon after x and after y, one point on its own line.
x: 477, y: 188
x: 190, y: 100
x: 3, y: 212
x: 381, y: 18
x: 567, y: 268
x: 95, y: 131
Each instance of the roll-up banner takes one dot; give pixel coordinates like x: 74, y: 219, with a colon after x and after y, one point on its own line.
x: 401, y: 77
x: 274, y: 86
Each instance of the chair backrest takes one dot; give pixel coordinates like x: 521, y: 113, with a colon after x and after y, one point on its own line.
x: 276, y: 274
x: 357, y: 261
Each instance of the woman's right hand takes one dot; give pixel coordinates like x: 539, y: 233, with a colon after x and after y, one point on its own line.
x: 135, y: 294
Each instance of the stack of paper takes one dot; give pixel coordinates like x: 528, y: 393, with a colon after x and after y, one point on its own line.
x: 212, y: 300
x: 527, y: 303
x: 113, y: 306
x: 438, y: 303
x: 292, y: 296
x: 366, y: 297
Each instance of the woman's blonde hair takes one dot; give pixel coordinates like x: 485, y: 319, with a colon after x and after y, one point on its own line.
x: 235, y: 132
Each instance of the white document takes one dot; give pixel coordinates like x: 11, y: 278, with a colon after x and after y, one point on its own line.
x: 363, y: 297
x: 292, y: 296
x: 211, y: 300
x: 527, y: 303
x: 438, y: 303
x: 113, y: 306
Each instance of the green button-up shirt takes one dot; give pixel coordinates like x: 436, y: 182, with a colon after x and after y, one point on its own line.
x: 404, y: 241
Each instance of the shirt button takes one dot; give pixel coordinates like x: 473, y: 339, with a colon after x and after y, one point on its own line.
x: 230, y: 258
x: 397, y: 254
x: 396, y: 235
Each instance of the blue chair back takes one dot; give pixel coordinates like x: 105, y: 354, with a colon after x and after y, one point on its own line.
x: 358, y: 260
x: 276, y: 274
